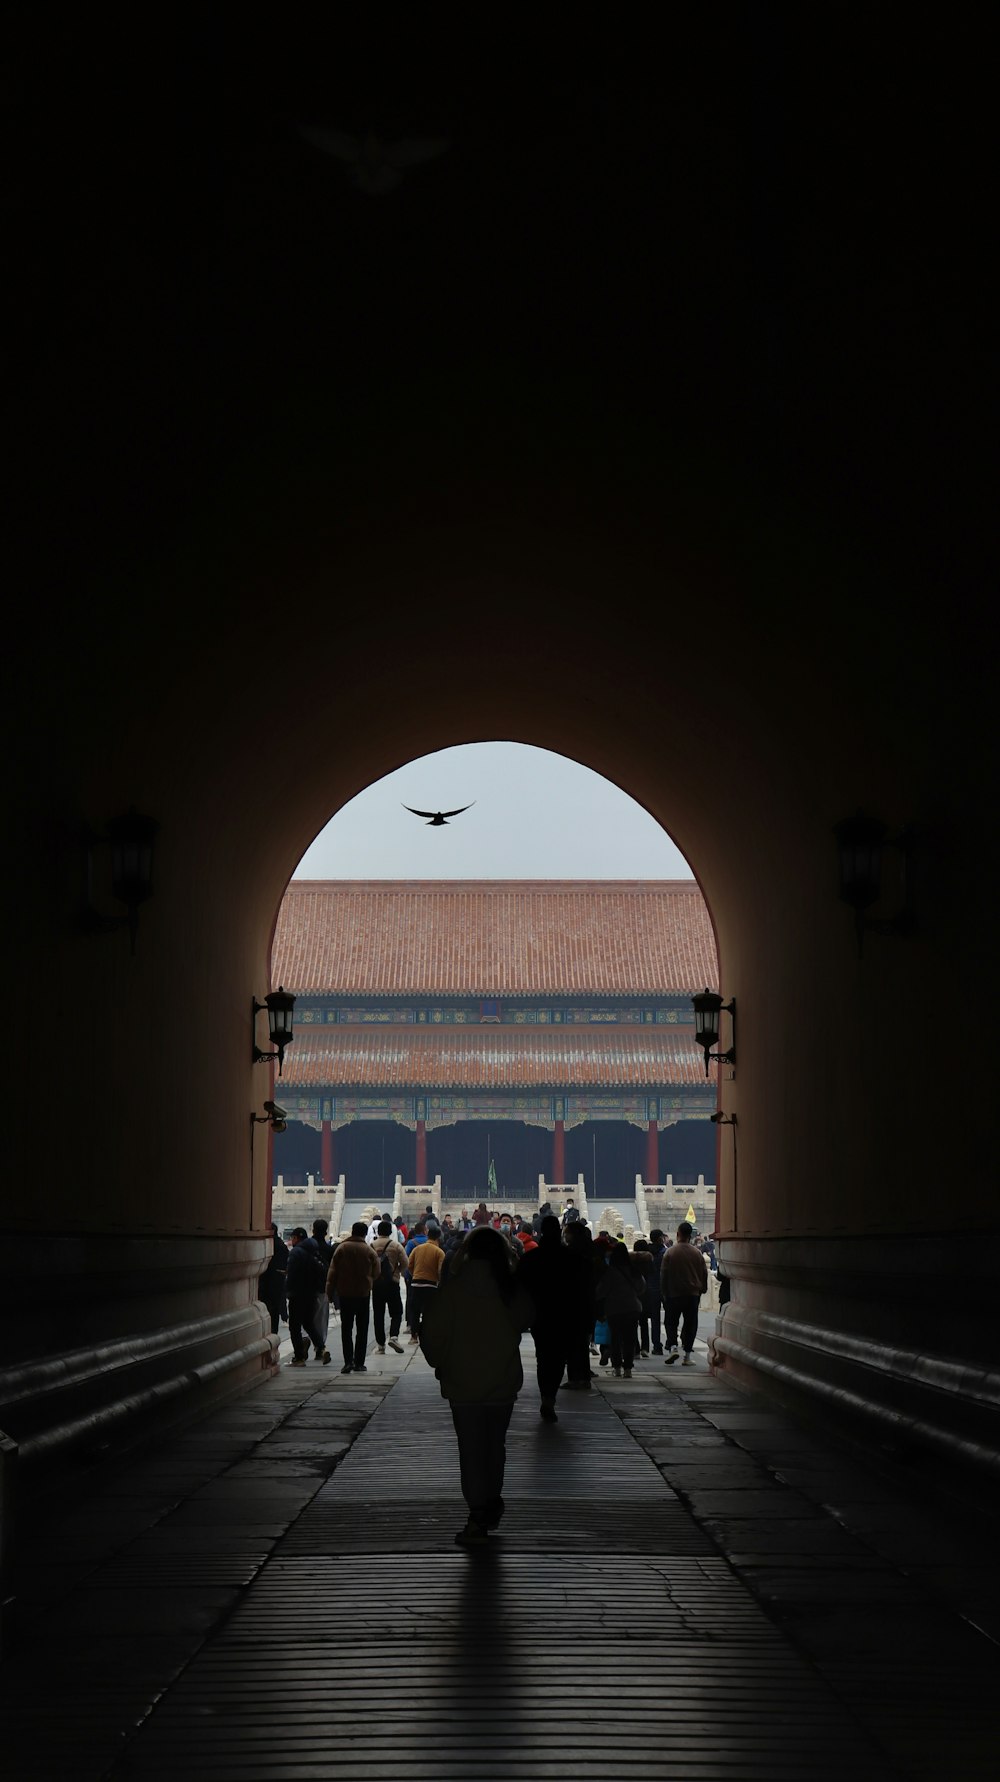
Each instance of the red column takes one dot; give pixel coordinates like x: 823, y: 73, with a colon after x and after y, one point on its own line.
x: 559, y: 1153
x: 421, y: 1154
x: 652, y: 1153
x: 326, y: 1155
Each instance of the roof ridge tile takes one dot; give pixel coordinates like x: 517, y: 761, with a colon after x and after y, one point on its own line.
x: 507, y: 938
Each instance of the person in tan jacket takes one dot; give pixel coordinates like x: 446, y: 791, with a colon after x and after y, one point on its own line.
x: 683, y: 1280
x: 352, y: 1275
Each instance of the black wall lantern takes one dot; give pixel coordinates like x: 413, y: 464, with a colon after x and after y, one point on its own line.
x: 861, y: 845
x: 131, y: 839
x: 279, y: 1006
x: 708, y: 1006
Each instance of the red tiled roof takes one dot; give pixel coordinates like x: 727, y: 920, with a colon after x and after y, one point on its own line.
x: 431, y: 1058
x: 509, y: 937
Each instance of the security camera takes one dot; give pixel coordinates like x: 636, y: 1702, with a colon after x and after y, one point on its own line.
x: 272, y: 1116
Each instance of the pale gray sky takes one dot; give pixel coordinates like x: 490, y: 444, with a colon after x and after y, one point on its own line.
x: 536, y: 815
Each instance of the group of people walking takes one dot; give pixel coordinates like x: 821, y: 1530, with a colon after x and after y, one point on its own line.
x: 470, y: 1296
x: 362, y: 1276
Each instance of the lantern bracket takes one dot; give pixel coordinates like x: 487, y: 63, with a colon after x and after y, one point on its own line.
x: 257, y: 1056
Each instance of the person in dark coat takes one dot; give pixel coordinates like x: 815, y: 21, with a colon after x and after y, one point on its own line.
x: 658, y: 1250
x: 618, y: 1299
x: 321, y: 1249
x: 580, y: 1246
x: 471, y: 1336
x: 647, y: 1280
x: 272, y: 1281
x: 301, y: 1283
x: 556, y: 1283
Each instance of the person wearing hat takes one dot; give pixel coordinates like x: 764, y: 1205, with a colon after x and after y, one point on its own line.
x: 353, y: 1273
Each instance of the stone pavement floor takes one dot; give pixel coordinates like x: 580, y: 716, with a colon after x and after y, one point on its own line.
x: 689, y: 1583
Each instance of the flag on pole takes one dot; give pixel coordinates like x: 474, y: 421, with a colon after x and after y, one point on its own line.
x: 689, y: 1216
x: 491, y: 1179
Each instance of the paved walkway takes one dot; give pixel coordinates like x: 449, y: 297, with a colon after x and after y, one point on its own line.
x: 688, y: 1584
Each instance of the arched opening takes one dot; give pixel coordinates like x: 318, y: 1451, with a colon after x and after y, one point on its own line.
x: 509, y: 986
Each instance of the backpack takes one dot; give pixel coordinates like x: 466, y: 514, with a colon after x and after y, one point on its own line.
x: 385, y: 1267
x: 321, y: 1255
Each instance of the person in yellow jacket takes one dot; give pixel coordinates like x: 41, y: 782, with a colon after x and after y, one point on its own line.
x: 425, y: 1263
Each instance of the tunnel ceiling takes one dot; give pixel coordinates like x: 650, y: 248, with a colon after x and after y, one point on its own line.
x: 730, y: 227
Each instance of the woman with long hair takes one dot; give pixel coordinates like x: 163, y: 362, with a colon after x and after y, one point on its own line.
x: 471, y: 1335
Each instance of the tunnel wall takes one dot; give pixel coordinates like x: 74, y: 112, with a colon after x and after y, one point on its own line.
x: 158, y: 1218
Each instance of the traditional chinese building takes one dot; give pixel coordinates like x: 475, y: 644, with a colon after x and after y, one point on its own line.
x: 546, y: 1025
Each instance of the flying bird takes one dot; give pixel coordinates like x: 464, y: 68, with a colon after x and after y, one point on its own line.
x: 373, y: 165
x: 436, y: 818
